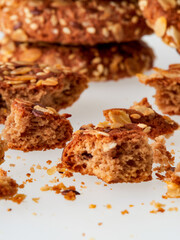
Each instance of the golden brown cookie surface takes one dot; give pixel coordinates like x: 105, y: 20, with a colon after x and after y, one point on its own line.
x: 72, y: 22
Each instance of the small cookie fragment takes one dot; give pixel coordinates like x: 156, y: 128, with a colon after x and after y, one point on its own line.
x: 142, y: 114
x: 163, y: 17
x: 167, y: 85
x: 173, y: 183
x: 3, y: 148
x: 55, y: 87
x: 162, y: 156
x: 113, y: 155
x: 31, y: 127
x: 8, y: 186
x: 99, y: 63
x: 72, y: 22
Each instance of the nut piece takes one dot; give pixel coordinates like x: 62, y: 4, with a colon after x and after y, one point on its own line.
x: 19, y: 35
x: 144, y: 110
x: 173, y: 33
x: 45, y: 110
x: 104, y: 124
x: 119, y: 118
x: 30, y: 55
x: 160, y: 26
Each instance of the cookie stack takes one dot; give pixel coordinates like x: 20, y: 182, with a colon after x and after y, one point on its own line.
x: 98, y: 38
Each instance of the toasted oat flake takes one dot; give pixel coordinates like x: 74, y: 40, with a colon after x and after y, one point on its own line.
x: 160, y: 26
x: 120, y: 117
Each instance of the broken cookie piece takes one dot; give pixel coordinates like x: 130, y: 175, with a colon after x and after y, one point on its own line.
x: 113, y: 155
x: 32, y: 127
x: 8, y: 186
x: 173, y: 183
x: 167, y: 85
x: 3, y: 148
x: 49, y: 86
x: 142, y: 114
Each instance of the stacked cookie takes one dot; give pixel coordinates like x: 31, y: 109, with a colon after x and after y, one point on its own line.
x: 98, y: 38
x: 163, y: 17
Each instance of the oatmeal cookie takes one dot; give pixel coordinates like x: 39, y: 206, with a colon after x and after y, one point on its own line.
x: 163, y: 16
x: 32, y: 127
x: 50, y: 86
x: 80, y: 22
x: 142, y: 114
x: 99, y: 63
x: 167, y: 85
x: 113, y: 155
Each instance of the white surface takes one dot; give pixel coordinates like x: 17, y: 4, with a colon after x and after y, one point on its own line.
x: 60, y: 219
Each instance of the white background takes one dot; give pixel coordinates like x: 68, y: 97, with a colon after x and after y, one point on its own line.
x: 57, y: 218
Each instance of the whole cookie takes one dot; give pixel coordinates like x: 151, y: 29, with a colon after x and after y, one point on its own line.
x: 72, y: 22
x: 163, y: 16
x: 99, y: 63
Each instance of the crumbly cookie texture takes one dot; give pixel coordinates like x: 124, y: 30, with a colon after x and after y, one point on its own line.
x: 167, y: 85
x: 113, y: 155
x: 99, y: 63
x: 173, y: 183
x: 3, y: 148
x: 31, y: 127
x: 50, y: 86
x: 163, y: 16
x: 8, y: 186
x: 72, y: 22
x: 142, y: 114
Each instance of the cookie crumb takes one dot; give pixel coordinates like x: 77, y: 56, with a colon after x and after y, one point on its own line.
x: 124, y: 212
x: 173, y: 209
x: 52, y: 170
x: 172, y: 151
x: 158, y: 206
x: 18, y: 198
x: 36, y: 200
x: 92, y: 206
x: 38, y: 166
x: 98, y: 183
x: 49, y: 162
x: 32, y: 169
x: 108, y: 206
x: 69, y: 193
x: 12, y: 165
